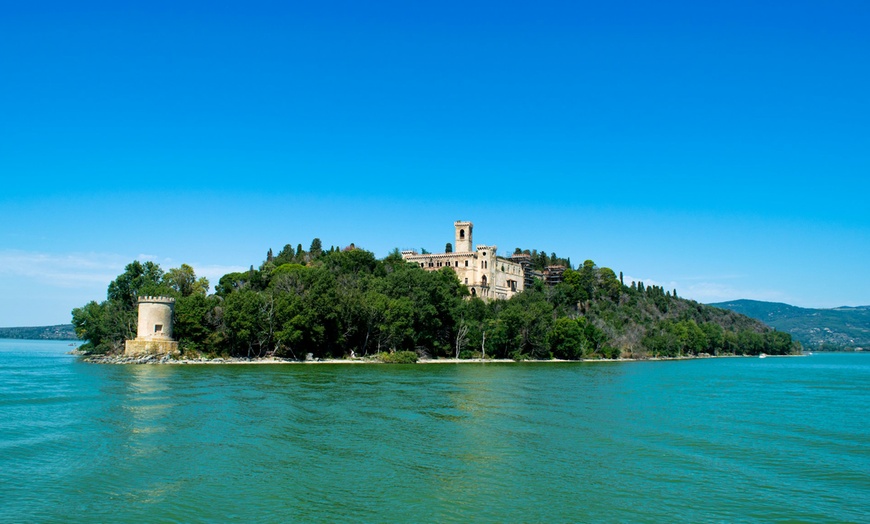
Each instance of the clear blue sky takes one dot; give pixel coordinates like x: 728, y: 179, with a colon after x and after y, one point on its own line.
x: 721, y: 148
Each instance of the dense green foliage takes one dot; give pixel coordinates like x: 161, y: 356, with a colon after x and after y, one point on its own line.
x: 337, y: 303
x: 106, y: 325
x: 58, y: 332
x: 844, y: 328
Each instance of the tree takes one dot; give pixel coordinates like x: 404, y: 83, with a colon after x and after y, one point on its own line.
x: 285, y: 256
x: 195, y: 325
x: 567, y: 340
x: 316, y: 249
x: 694, y: 339
x: 461, y: 337
x: 595, y: 336
x: 137, y: 280
x: 104, y: 327
x: 88, y: 322
x: 715, y: 337
x: 448, y: 248
x: 610, y: 287
x: 750, y: 343
x: 522, y: 326
x: 183, y: 281
x: 250, y: 320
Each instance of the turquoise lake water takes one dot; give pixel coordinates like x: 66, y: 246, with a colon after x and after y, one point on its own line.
x: 724, y: 440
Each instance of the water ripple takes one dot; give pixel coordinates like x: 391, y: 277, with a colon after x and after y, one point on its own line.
x: 712, y: 440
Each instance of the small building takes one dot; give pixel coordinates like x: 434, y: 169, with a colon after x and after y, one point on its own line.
x: 553, y: 275
x: 529, y: 274
x: 486, y: 274
x: 154, y: 330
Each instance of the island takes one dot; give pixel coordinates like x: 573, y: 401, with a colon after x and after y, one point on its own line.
x: 345, y: 304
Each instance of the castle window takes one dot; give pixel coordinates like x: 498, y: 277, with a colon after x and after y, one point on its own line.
x: 466, y: 263
x: 461, y: 234
x: 473, y: 292
x: 466, y: 281
x: 422, y: 264
x: 457, y: 263
x: 158, y: 328
x: 483, y: 280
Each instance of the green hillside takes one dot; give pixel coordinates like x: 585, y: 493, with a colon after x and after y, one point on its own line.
x: 840, y: 328
x: 59, y: 332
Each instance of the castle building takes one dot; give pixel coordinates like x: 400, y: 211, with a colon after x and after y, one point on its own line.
x: 154, y: 330
x: 486, y: 274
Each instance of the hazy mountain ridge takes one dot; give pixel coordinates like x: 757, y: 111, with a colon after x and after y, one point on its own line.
x: 844, y: 327
x: 57, y: 332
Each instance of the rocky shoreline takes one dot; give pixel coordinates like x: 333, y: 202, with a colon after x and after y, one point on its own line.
x: 170, y: 360
x: 175, y: 360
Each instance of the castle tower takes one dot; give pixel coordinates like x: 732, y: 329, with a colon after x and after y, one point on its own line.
x: 154, y: 332
x: 155, y: 318
x: 463, y: 236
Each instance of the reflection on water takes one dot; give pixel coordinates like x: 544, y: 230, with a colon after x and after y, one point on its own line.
x: 718, y: 439
x: 149, y: 403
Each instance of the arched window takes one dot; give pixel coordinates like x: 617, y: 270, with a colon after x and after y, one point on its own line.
x: 461, y: 234
x: 483, y: 280
x: 473, y: 292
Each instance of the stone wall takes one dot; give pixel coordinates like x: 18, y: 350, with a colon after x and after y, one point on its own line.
x: 138, y: 347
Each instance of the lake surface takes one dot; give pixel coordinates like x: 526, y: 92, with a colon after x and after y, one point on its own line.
x: 731, y: 439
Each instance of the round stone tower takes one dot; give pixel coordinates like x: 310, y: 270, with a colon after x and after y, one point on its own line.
x: 155, y: 318
x: 463, y: 236
x: 154, y: 333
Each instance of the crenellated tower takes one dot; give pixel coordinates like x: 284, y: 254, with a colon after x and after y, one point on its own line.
x: 154, y: 330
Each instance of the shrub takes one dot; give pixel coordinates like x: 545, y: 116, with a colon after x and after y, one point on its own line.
x: 399, y: 357
x: 610, y: 352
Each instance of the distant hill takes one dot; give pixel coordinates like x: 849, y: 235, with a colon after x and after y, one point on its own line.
x: 838, y: 328
x: 59, y: 332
